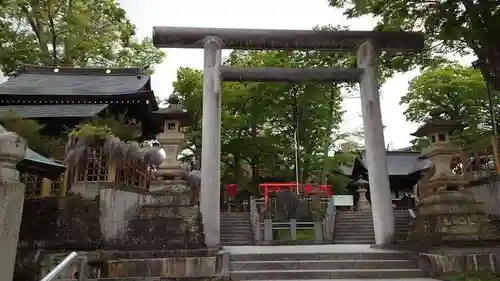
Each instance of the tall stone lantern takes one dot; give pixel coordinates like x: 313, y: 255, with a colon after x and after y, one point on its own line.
x: 172, y: 139
x: 363, y: 204
x: 447, y: 212
x: 440, y: 152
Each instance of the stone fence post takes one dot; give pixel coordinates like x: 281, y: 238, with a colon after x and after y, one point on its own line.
x: 12, y: 151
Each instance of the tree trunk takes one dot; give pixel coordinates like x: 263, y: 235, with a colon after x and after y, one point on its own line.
x: 36, y: 25
x: 237, y: 168
x: 326, y: 145
x: 255, y: 160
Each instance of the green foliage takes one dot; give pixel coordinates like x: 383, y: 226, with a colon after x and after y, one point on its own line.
x: 119, y: 126
x: 470, y: 277
x: 92, y: 133
x: 259, y: 120
x: 460, y: 26
x: 460, y: 91
x: 99, y: 128
x: 70, y: 33
x: 31, y: 131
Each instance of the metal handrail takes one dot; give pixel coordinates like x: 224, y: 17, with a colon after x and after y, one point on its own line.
x: 61, y: 266
x: 412, y: 213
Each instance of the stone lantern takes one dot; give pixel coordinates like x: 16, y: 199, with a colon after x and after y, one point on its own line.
x: 447, y: 212
x: 440, y: 152
x: 363, y: 204
x: 172, y: 139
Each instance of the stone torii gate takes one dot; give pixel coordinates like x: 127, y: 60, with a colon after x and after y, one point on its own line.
x: 367, y: 44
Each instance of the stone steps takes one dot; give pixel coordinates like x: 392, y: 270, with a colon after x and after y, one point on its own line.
x: 357, y: 227
x: 389, y: 255
x: 307, y: 274
x: 235, y: 229
x: 324, y: 266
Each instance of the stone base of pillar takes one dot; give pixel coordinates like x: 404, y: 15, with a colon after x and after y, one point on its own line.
x: 450, y: 218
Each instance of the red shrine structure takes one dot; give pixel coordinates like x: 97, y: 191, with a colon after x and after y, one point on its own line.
x: 307, y: 189
x: 230, y: 190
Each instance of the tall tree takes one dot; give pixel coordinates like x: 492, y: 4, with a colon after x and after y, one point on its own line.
x: 459, y: 26
x: 259, y: 120
x: 70, y: 33
x: 460, y: 91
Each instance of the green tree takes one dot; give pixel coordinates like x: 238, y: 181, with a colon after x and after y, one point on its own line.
x: 259, y: 120
x: 460, y: 26
x: 70, y: 33
x: 460, y: 91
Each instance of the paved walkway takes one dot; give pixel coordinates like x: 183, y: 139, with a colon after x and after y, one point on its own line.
x: 305, y: 249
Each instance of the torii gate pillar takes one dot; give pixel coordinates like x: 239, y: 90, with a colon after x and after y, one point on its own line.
x: 376, y: 157
x: 210, y: 142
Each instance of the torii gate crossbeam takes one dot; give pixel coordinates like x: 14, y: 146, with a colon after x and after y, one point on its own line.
x: 367, y: 44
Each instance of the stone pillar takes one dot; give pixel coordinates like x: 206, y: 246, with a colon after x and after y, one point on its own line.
x: 12, y: 150
x: 210, y: 145
x: 376, y: 157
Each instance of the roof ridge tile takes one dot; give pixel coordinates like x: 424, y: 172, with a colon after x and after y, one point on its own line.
x: 81, y: 71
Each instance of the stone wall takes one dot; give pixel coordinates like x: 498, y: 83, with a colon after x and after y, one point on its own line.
x: 487, y: 191
x: 132, y: 218
x: 60, y: 223
x: 53, y: 225
x: 107, y: 220
x: 446, y: 262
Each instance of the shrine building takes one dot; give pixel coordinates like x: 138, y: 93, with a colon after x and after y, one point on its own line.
x: 60, y: 98
x: 405, y: 170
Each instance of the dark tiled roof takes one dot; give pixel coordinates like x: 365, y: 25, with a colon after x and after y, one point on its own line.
x: 35, y: 80
x: 36, y: 163
x: 401, y: 163
x: 53, y: 110
x: 405, y: 149
x: 421, y: 165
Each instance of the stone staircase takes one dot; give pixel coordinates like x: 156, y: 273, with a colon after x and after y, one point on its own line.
x: 235, y: 229
x: 346, y: 265
x: 357, y: 227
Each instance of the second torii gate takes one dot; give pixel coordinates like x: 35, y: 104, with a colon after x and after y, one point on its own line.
x: 367, y: 44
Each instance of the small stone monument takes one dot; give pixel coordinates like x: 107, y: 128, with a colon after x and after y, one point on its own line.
x: 447, y: 213
x: 363, y: 204
x: 171, y: 139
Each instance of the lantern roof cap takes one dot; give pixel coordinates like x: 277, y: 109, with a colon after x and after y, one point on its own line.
x: 437, y: 123
x: 174, y: 111
x: 361, y: 181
